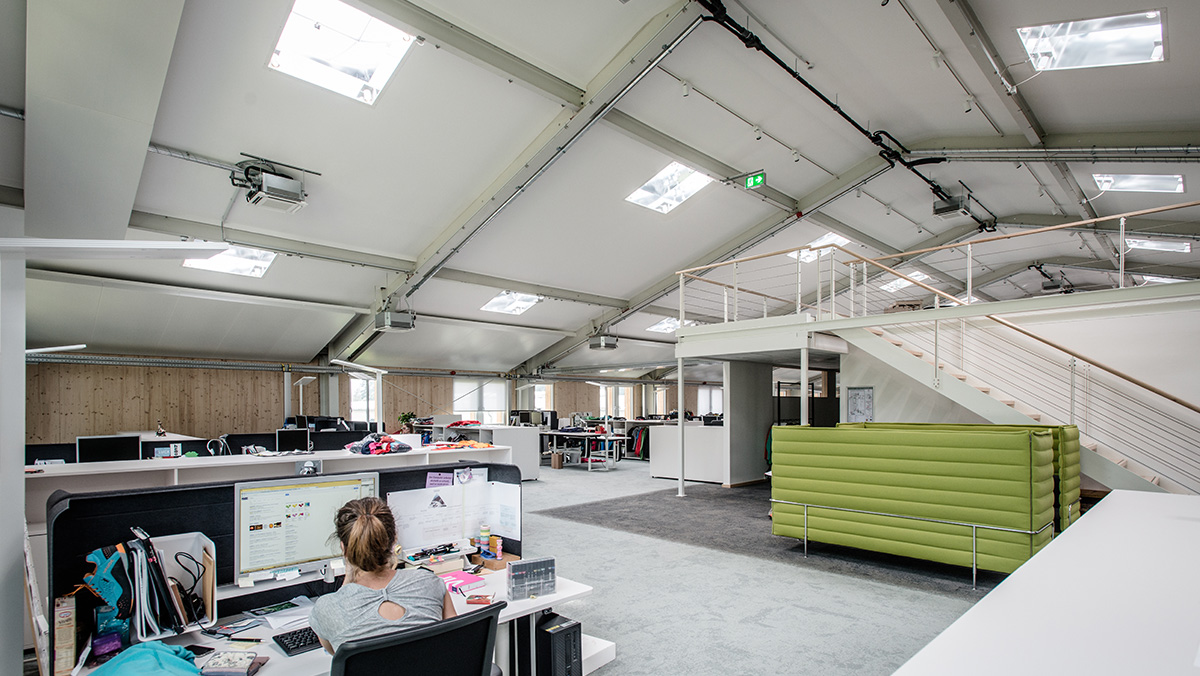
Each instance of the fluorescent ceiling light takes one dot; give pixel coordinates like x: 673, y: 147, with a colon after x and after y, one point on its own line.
x: 808, y: 255
x: 1139, y: 182
x: 236, y: 260
x: 669, y: 325
x: 1091, y: 43
x: 333, y: 45
x: 511, y: 303
x: 1155, y: 279
x: 1159, y: 245
x: 669, y: 188
x: 897, y: 284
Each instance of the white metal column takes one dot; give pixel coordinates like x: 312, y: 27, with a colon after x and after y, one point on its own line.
x: 680, y: 418
x: 12, y: 461
x: 804, y: 382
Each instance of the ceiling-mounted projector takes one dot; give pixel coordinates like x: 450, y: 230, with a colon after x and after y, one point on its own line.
x: 276, y: 191
x: 395, y: 321
x: 602, y: 342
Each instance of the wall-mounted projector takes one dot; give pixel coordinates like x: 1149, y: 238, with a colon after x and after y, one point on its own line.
x: 395, y: 321
x: 277, y: 192
x: 602, y: 342
x: 951, y: 208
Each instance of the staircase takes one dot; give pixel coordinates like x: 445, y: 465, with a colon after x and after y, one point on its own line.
x: 1128, y: 439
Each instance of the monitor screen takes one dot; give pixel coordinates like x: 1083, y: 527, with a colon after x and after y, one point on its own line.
x: 109, y: 447
x: 291, y: 440
x: 301, y: 422
x: 285, y: 524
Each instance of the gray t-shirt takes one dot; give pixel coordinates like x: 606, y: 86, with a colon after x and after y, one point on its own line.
x: 352, y: 612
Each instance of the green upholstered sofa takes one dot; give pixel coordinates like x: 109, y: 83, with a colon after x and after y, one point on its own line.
x: 1066, y: 459
x: 1002, y: 481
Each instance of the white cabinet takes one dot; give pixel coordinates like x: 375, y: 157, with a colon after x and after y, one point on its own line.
x: 524, y: 441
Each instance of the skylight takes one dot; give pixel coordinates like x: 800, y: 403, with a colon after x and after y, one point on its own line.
x: 669, y: 325
x: 1155, y: 279
x: 1139, y: 182
x: 669, y: 188
x: 235, y: 260
x: 1091, y: 43
x: 511, y: 303
x: 897, y: 284
x: 1159, y: 245
x: 808, y: 256
x: 342, y: 49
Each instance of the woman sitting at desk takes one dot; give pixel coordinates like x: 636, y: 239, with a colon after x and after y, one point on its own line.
x: 375, y: 598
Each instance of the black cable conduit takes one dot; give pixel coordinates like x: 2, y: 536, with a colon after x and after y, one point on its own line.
x: 890, y: 149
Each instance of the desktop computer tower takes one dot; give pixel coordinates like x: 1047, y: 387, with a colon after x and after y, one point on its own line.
x: 559, y: 646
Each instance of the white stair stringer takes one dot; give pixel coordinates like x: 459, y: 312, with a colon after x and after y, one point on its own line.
x: 994, y: 406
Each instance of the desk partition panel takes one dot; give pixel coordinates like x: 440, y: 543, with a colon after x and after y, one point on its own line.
x: 78, y: 523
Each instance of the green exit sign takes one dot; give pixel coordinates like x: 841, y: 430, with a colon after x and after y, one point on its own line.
x: 756, y: 180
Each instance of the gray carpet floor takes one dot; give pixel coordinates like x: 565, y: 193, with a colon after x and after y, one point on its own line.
x: 698, y: 586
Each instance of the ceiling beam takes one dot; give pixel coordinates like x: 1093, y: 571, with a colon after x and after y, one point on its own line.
x: 1172, y: 146
x: 990, y: 63
x: 654, y: 43
x: 167, y: 225
x: 1138, y: 227
x: 551, y: 292
x: 457, y: 41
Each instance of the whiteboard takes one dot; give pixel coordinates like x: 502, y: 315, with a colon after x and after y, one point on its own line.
x: 860, y: 404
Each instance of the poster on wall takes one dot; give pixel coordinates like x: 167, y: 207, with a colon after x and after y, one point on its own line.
x: 860, y: 404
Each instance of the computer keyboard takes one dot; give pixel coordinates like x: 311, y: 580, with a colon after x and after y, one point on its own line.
x: 297, y: 641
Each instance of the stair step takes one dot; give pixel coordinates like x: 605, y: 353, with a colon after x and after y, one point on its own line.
x: 1037, y: 417
x: 895, y: 341
x: 960, y: 376
x: 1123, y: 463
x: 1090, y: 445
x: 1008, y: 402
x: 916, y: 353
x: 983, y: 388
x: 876, y: 330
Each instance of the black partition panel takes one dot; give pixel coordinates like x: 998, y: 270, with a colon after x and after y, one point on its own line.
x: 333, y: 441
x: 78, y: 523
x: 35, y: 452
x: 237, y: 441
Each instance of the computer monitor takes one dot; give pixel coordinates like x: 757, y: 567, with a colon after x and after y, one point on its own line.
x: 283, y: 525
x: 291, y: 440
x: 302, y: 422
x: 109, y: 447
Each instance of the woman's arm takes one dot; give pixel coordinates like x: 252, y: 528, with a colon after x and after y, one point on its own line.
x: 326, y: 645
x: 448, y: 607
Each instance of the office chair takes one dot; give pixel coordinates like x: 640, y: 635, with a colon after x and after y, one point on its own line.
x: 459, y: 646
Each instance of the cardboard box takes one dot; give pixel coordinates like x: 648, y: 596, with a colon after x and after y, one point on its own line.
x: 556, y: 461
x: 64, y: 635
x: 494, y: 564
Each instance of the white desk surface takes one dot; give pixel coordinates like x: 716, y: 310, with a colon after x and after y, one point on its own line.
x: 1116, y: 593
x: 316, y: 662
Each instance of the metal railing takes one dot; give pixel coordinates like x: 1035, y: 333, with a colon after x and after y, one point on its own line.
x: 1162, y: 437
x: 973, y: 526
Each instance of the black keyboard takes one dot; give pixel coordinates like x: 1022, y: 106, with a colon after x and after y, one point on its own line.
x: 297, y: 641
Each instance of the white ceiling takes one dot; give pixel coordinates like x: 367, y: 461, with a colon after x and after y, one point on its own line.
x: 399, y: 179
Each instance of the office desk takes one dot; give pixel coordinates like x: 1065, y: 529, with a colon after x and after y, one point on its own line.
x: 1116, y: 593
x: 609, y: 447
x: 316, y: 662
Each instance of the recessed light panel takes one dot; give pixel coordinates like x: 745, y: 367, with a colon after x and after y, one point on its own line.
x: 1092, y: 43
x: 1172, y: 246
x: 1139, y: 182
x: 809, y: 255
x: 897, y: 284
x: 511, y: 303
x: 236, y: 260
x: 669, y: 325
x: 669, y: 188
x: 340, y: 48
x: 1155, y: 279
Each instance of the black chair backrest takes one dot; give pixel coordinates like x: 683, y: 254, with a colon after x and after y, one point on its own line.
x: 459, y: 646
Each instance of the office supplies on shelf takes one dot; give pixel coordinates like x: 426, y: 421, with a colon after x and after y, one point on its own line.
x: 480, y: 599
x: 531, y: 578
x: 297, y: 641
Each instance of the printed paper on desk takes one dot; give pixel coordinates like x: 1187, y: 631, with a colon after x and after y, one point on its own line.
x: 289, y: 617
x: 427, y: 516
